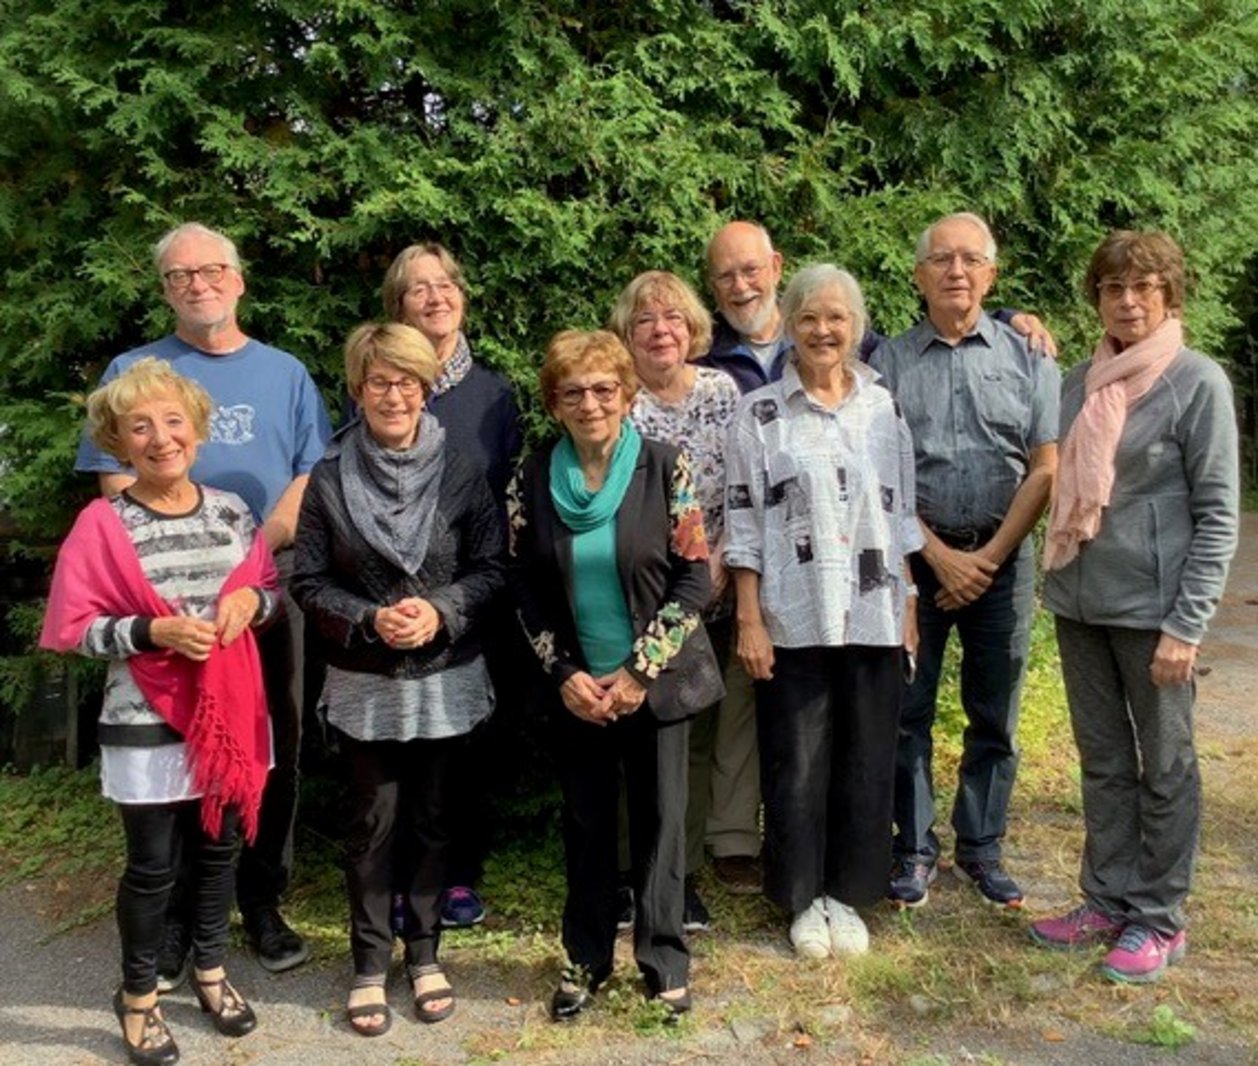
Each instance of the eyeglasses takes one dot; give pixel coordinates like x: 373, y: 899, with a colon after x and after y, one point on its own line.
x: 572, y: 395
x: 432, y: 288
x: 943, y: 260
x: 1141, y: 290
x: 211, y: 274
x: 406, y: 386
x: 748, y: 272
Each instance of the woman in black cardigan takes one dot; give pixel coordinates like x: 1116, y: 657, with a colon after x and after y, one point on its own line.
x: 609, y: 565
x: 398, y: 552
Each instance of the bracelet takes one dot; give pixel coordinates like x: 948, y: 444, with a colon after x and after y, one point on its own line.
x: 910, y: 590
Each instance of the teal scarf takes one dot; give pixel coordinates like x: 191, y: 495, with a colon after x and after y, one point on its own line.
x: 580, y: 509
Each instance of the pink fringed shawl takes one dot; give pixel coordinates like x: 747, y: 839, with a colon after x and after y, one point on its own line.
x: 219, y: 706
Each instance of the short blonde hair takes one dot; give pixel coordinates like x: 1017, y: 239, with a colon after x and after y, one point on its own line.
x: 575, y: 351
x: 660, y: 286
x: 393, y: 288
x: 395, y: 344
x: 145, y: 379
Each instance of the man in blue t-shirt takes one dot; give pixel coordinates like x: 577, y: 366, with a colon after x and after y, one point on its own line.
x: 268, y: 428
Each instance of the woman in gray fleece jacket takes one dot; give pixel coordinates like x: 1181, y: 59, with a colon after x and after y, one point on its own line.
x: 1144, y: 524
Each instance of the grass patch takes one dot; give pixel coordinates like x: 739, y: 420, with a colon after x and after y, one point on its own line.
x: 951, y: 966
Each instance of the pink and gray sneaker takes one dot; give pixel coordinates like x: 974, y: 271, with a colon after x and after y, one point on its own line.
x: 1081, y: 928
x: 1142, y: 954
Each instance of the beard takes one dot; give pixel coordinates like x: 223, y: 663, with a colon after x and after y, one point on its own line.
x: 755, y: 318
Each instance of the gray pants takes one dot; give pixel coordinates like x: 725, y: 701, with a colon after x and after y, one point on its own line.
x: 1141, y: 785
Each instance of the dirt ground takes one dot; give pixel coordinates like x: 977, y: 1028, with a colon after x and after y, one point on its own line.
x: 54, y: 988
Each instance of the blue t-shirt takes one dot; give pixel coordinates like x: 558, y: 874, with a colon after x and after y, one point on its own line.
x: 269, y: 424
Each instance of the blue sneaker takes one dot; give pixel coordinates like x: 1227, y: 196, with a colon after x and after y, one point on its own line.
x: 993, y: 884
x: 462, y: 908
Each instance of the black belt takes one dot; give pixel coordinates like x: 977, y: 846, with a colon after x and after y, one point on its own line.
x: 966, y: 540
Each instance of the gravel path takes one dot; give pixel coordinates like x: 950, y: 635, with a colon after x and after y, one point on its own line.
x: 54, y: 992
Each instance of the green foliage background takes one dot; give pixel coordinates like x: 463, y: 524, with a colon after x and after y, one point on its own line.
x: 560, y: 147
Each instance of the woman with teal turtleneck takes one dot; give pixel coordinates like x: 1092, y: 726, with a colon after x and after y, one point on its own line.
x: 610, y: 572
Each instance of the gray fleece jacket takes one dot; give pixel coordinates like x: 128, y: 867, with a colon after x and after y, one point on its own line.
x: 1160, y: 559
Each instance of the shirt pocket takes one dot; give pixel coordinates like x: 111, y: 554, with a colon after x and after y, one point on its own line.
x: 999, y: 402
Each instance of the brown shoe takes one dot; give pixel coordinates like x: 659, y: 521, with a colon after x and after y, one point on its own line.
x: 739, y: 874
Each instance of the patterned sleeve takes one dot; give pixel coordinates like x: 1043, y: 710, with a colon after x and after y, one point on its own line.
x: 528, y: 580
x: 689, y: 586
x: 912, y: 539
x: 744, y: 493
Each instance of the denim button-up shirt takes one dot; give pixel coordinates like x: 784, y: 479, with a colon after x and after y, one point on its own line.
x: 977, y: 410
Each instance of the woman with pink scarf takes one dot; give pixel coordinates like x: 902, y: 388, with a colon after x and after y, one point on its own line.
x: 165, y: 581
x: 1143, y: 526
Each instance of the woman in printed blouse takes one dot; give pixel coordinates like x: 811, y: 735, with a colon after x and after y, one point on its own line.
x: 610, y: 570
x: 664, y: 324
x: 398, y: 552
x: 165, y: 581
x: 820, y: 516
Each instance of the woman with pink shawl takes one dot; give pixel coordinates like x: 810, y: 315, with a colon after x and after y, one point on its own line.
x: 165, y: 581
x: 1143, y: 526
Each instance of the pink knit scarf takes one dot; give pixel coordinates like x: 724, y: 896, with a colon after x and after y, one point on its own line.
x: 1085, y: 467
x: 218, y: 706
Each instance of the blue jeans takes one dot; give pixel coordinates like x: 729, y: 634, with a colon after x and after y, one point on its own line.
x: 995, y: 632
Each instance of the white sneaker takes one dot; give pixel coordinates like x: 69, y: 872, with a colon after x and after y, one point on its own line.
x: 809, y: 934
x: 847, y: 933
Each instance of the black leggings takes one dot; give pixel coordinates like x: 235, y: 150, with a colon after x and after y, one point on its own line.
x: 156, y: 833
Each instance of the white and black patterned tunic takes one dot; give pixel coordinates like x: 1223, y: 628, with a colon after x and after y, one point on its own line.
x: 186, y: 559
x: 820, y: 504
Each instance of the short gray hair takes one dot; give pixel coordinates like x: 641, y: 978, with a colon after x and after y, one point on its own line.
x: 809, y: 280
x: 977, y: 221
x: 195, y: 229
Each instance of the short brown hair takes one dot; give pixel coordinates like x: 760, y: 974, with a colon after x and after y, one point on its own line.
x: 144, y: 379
x: 1125, y: 252
x: 660, y: 286
x: 393, y: 288
x: 395, y: 344
x: 574, y: 351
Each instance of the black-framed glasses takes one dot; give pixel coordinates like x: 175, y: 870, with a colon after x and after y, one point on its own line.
x: 572, y: 395
x: 211, y: 274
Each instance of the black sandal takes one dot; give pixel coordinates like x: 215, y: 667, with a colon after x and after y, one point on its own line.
x: 156, y: 1047
x: 234, y: 1016
x: 422, y: 999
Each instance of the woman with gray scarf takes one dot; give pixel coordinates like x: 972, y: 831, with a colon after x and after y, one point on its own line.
x: 398, y: 551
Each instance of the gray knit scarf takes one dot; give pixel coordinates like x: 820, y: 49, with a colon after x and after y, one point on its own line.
x: 392, y: 495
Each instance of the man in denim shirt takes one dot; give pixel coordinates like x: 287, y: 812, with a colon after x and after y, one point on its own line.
x: 983, y: 409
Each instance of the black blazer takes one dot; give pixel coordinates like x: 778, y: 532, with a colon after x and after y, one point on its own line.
x: 661, y: 555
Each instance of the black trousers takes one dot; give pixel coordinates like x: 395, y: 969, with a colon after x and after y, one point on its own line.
x: 398, y: 833
x: 157, y: 835
x: 827, y: 724
x: 266, y: 865
x: 652, y: 755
